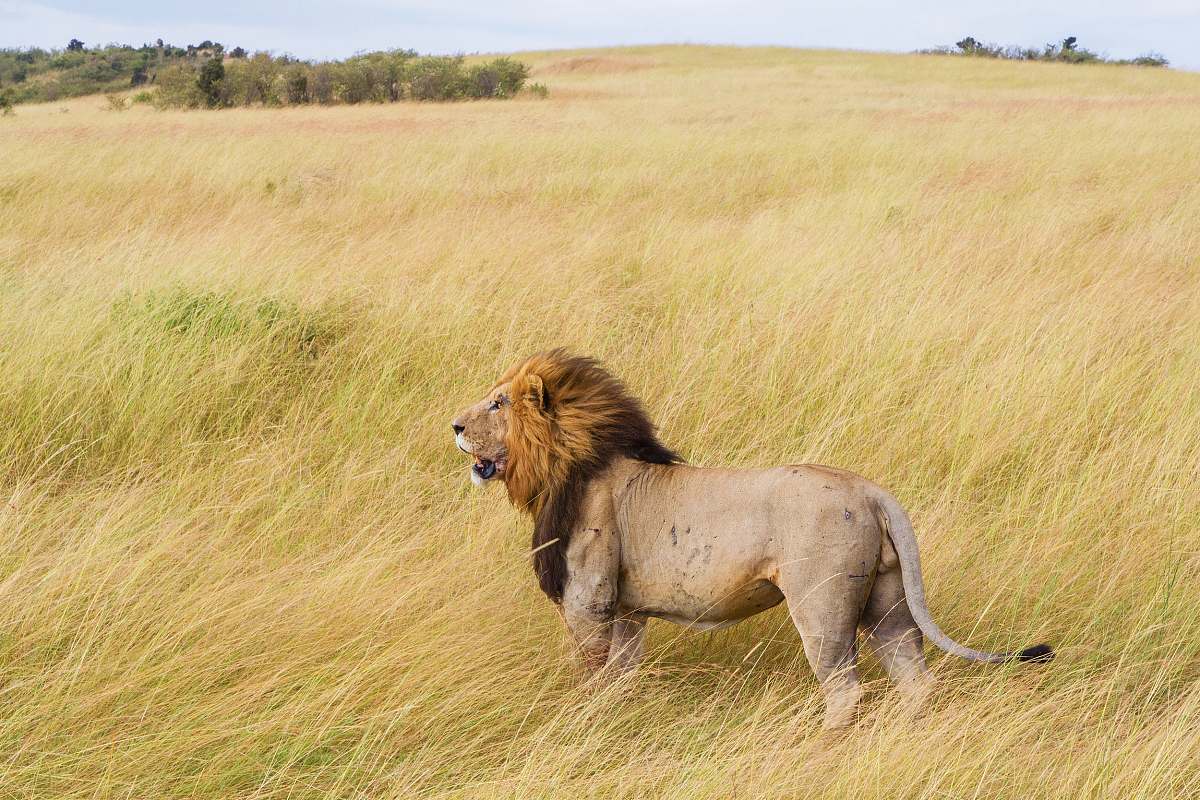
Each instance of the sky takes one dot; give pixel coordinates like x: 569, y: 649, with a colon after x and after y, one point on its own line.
x: 310, y: 29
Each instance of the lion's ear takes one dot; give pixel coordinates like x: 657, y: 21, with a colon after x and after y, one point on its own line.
x: 535, y: 392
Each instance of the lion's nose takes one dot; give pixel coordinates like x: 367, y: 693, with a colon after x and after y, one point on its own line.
x: 457, y: 428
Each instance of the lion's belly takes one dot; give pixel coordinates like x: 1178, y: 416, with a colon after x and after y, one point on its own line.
x: 701, y: 611
x: 702, y: 565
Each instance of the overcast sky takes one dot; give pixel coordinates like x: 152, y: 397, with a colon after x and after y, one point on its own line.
x: 311, y: 29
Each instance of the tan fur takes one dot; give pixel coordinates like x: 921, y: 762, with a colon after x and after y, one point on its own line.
x: 624, y: 532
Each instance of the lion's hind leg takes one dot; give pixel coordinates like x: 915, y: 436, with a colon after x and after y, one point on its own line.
x: 894, y: 637
x: 827, y: 617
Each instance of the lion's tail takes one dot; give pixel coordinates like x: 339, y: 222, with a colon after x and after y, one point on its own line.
x: 900, y: 531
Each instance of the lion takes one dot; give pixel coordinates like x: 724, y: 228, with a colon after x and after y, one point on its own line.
x: 624, y: 531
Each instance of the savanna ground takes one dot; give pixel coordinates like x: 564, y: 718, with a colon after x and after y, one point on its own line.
x: 241, y: 557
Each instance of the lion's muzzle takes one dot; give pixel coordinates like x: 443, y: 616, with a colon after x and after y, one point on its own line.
x: 484, y: 469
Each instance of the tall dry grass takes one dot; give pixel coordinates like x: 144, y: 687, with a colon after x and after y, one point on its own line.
x: 240, y: 554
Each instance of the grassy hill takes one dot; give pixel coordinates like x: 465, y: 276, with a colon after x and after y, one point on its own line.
x: 35, y: 74
x: 242, y: 558
x: 205, y: 76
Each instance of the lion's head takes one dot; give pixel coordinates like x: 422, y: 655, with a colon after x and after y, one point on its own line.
x: 549, y: 425
x: 481, y: 431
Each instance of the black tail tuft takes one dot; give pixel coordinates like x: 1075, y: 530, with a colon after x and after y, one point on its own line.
x: 1038, y: 654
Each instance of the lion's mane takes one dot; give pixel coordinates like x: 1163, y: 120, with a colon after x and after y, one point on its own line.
x: 570, y: 418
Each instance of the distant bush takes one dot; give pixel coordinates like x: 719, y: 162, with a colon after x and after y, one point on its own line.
x: 437, y: 78
x: 1148, y: 60
x: 295, y: 84
x: 1067, y: 51
x: 6, y: 103
x: 539, y: 90
x: 178, y: 88
x: 502, y: 77
x: 116, y: 102
x: 142, y: 98
x: 209, y: 81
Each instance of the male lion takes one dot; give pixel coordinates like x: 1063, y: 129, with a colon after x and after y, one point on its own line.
x: 624, y: 531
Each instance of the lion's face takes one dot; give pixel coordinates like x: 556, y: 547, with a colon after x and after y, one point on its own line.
x: 481, y: 431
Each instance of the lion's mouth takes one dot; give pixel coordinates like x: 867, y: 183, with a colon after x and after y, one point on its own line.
x: 484, y: 469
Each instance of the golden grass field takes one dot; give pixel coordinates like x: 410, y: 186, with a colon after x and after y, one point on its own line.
x: 241, y: 557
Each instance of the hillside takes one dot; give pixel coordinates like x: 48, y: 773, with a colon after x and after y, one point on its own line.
x: 205, y: 76
x: 242, y: 556
x: 35, y: 74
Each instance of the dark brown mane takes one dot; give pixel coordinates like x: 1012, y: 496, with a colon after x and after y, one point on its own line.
x: 570, y: 419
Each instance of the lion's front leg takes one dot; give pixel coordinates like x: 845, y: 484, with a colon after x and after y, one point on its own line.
x: 628, y: 644
x: 589, y: 601
x: 590, y: 625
